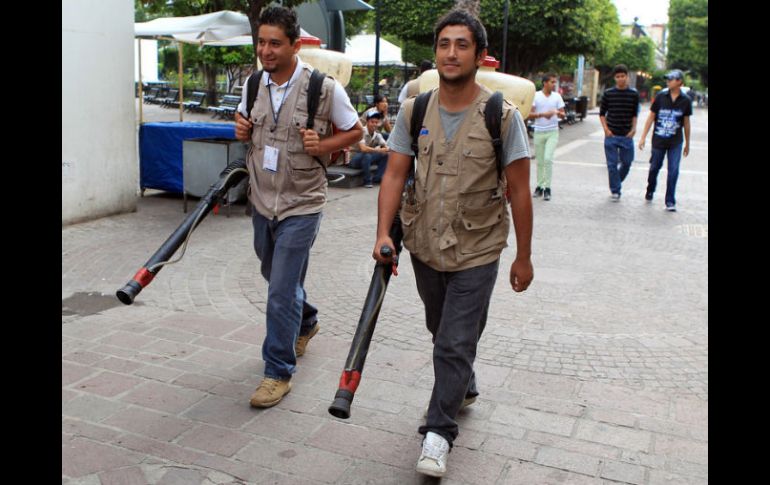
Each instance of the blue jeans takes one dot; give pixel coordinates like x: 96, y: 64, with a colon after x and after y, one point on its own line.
x: 456, y: 307
x: 619, y: 150
x: 364, y: 161
x: 656, y: 162
x: 284, y: 250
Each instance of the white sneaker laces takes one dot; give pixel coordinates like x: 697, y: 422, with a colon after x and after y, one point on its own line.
x: 435, y: 447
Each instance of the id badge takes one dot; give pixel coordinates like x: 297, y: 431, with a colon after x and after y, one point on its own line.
x: 270, y: 162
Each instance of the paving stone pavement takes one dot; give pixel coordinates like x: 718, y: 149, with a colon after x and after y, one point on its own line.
x: 598, y: 374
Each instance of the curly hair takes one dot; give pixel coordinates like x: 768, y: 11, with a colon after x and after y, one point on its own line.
x: 461, y: 17
x: 281, y: 17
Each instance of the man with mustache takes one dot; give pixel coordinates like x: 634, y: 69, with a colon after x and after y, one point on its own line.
x: 287, y: 188
x: 455, y: 221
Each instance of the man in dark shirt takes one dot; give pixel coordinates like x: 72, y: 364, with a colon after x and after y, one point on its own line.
x: 618, y: 111
x: 671, y: 111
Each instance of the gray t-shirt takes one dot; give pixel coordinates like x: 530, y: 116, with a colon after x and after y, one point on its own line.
x: 515, y: 142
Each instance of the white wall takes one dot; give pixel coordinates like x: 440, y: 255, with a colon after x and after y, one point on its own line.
x: 100, y: 168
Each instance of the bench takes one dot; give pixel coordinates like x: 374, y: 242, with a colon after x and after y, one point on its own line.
x: 227, y: 106
x: 152, y: 95
x: 170, y: 100
x: 354, y: 177
x: 195, y: 103
x: 162, y: 93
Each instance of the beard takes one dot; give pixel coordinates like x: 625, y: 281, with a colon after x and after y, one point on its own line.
x: 459, y: 80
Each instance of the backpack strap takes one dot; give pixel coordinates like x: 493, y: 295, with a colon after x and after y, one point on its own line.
x: 313, y: 94
x: 493, y: 113
x: 253, y: 88
x: 418, y: 116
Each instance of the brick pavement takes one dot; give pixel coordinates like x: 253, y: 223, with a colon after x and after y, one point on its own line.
x: 597, y: 374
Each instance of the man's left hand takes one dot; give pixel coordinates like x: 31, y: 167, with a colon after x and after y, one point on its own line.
x: 686, y: 149
x: 311, y: 141
x: 521, y: 274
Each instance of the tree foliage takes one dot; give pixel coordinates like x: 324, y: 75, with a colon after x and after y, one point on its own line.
x: 537, y: 30
x: 688, y: 46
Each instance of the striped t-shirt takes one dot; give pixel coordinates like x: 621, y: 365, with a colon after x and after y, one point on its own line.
x: 619, y: 106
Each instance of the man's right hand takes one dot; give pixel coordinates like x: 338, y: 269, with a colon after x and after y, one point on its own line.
x: 641, y: 144
x: 384, y: 241
x: 608, y: 133
x: 242, y: 127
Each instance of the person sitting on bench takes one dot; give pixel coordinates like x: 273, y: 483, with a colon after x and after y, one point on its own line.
x: 372, y: 149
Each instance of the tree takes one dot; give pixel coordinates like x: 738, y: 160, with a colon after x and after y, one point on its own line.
x: 635, y: 54
x: 537, y: 30
x: 688, y: 47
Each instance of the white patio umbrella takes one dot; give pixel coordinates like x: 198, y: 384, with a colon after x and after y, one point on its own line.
x: 195, y: 29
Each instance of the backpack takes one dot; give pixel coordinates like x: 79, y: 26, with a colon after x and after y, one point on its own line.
x: 313, y: 94
x: 493, y: 113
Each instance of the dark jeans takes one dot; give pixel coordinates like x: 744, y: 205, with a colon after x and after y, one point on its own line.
x: 456, y: 306
x: 364, y: 161
x: 656, y: 162
x: 284, y: 250
x: 619, y: 150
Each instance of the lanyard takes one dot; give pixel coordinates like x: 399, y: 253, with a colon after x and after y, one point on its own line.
x: 270, y: 95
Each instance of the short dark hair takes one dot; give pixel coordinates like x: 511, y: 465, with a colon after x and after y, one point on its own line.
x: 461, y: 17
x: 425, y: 65
x: 547, y: 77
x: 282, y: 17
x: 620, y: 68
x: 378, y: 98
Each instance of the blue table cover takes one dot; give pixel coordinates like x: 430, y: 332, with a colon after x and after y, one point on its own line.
x: 160, y: 150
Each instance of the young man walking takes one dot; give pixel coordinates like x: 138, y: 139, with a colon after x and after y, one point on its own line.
x: 547, y: 108
x: 455, y: 221
x: 287, y: 188
x: 618, y: 112
x: 670, y: 112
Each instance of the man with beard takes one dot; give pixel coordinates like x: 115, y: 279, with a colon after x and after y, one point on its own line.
x: 455, y: 220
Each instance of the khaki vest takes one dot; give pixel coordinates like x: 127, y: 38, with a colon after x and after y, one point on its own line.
x: 298, y: 187
x: 458, y: 218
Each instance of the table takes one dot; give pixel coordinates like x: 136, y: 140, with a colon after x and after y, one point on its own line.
x: 160, y: 151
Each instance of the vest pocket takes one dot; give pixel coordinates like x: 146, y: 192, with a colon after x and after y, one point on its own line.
x: 478, y: 228
x: 479, y: 170
x: 258, y: 125
x: 422, y: 161
x: 298, y: 159
x: 409, y: 215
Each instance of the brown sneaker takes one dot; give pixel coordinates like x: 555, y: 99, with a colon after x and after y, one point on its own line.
x: 302, y: 340
x: 270, y: 392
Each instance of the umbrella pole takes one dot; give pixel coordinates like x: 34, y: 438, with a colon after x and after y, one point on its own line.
x: 181, y: 80
x: 141, y: 91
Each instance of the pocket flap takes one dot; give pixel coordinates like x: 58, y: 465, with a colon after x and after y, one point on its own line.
x: 476, y: 218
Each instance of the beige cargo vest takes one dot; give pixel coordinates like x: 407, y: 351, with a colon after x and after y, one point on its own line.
x: 459, y: 217
x: 298, y: 187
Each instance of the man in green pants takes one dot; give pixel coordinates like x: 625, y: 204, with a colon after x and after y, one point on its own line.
x: 547, y: 108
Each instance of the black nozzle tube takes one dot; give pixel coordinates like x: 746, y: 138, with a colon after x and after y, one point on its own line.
x: 129, y: 292
x: 340, y: 407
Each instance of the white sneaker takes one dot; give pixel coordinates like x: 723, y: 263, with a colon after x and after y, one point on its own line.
x: 432, y: 461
